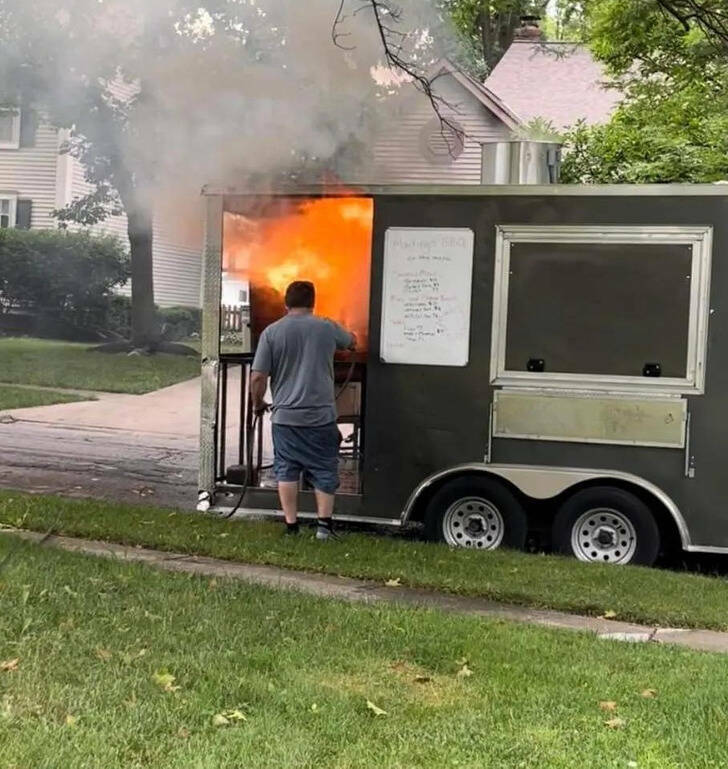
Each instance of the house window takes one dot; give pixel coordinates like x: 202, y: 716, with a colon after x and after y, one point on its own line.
x: 9, y: 129
x: 8, y: 205
x: 601, y: 308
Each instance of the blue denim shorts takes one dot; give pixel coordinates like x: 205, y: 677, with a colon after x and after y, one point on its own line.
x: 311, y: 451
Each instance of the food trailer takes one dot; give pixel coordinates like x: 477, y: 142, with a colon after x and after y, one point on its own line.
x: 535, y: 363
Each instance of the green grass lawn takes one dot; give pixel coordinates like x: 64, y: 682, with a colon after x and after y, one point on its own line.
x: 629, y: 593
x: 23, y: 397
x: 116, y: 666
x: 64, y: 364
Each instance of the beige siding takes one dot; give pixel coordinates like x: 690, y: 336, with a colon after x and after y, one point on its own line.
x: 30, y: 172
x: 399, y: 155
x: 177, y: 271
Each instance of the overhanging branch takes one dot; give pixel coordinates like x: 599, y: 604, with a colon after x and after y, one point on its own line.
x: 710, y: 16
x: 386, y: 16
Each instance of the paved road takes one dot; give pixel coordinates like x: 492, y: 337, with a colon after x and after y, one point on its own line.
x: 95, y: 462
x: 123, y: 447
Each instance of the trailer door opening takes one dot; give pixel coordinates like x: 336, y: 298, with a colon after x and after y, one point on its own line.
x: 268, y: 242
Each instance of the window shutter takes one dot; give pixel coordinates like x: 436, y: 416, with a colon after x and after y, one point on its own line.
x: 23, y: 213
x: 28, y: 127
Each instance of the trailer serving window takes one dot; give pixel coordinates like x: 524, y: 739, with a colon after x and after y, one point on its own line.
x: 601, y: 308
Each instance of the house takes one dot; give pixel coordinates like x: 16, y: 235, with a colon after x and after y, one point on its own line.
x: 558, y: 82
x: 414, y: 147
x: 36, y: 178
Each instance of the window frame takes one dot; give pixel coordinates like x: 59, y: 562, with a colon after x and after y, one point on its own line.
x: 14, y: 142
x: 700, y: 238
x: 12, y: 197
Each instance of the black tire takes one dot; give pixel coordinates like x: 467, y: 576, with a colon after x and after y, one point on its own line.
x: 487, y: 499
x: 643, y: 541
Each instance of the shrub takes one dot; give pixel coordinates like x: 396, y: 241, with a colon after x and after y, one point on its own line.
x: 118, y: 320
x: 65, y: 277
x: 174, y: 322
x: 179, y: 322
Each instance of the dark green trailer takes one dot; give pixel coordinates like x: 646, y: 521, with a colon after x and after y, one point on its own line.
x: 543, y: 362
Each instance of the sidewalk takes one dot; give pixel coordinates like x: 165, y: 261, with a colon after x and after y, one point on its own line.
x: 371, y: 592
x: 173, y: 410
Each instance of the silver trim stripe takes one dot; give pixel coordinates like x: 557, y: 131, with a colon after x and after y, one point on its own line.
x: 475, y: 190
x: 259, y: 512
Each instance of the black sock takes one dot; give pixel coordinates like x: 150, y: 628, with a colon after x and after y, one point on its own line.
x: 292, y: 528
x: 325, y: 522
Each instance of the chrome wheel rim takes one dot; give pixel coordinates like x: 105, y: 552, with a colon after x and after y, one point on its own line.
x: 473, y: 522
x: 604, y: 535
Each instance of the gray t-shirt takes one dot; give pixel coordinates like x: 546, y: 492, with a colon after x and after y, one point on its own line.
x: 297, y: 352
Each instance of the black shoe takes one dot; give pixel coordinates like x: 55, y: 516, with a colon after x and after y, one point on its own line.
x: 324, y: 530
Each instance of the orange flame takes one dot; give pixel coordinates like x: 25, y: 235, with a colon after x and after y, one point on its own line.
x: 325, y: 240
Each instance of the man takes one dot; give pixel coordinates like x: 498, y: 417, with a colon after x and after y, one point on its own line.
x: 297, y: 352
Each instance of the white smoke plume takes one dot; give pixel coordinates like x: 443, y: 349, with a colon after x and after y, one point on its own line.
x: 229, y: 89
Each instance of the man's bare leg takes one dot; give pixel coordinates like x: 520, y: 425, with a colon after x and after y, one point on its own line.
x: 324, y: 504
x: 325, y: 509
x: 288, y: 493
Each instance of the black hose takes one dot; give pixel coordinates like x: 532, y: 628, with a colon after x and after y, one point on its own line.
x: 347, y: 380
x: 248, y: 468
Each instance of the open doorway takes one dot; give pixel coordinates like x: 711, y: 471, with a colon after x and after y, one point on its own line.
x: 270, y: 242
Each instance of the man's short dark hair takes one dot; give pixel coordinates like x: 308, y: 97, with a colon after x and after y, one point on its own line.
x: 300, y: 293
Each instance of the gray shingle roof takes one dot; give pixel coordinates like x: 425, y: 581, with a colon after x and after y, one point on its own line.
x: 560, y: 82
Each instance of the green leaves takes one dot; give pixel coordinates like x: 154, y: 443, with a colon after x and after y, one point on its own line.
x: 658, y: 135
x: 673, y: 68
x: 68, y: 275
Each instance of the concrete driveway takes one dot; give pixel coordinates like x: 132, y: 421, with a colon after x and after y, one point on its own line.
x: 172, y: 410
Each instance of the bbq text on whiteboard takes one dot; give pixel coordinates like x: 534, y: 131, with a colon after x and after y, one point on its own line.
x: 427, y: 286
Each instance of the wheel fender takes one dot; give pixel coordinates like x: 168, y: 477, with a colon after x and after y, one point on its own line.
x: 540, y: 482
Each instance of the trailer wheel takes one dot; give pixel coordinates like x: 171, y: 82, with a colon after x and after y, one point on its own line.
x: 605, y: 524
x: 476, y: 513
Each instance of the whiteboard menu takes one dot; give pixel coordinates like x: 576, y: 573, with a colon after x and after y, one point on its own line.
x: 428, y: 275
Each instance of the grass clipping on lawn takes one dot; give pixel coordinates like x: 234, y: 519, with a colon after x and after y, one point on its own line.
x: 635, y: 594
x: 106, y: 665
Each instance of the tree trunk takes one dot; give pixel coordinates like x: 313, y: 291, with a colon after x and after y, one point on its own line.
x: 486, y: 36
x: 144, y: 326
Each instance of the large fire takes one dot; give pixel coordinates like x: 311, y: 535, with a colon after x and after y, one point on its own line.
x: 325, y: 240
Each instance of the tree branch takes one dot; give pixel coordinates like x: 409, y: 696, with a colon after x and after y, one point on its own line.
x: 336, y: 33
x: 392, y: 44
x: 708, y: 16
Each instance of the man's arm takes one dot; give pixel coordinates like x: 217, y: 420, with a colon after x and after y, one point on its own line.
x: 345, y: 340
x: 261, y: 367
x: 258, y: 386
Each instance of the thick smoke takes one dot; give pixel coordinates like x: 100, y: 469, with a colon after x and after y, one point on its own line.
x: 229, y: 90
x: 288, y: 93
